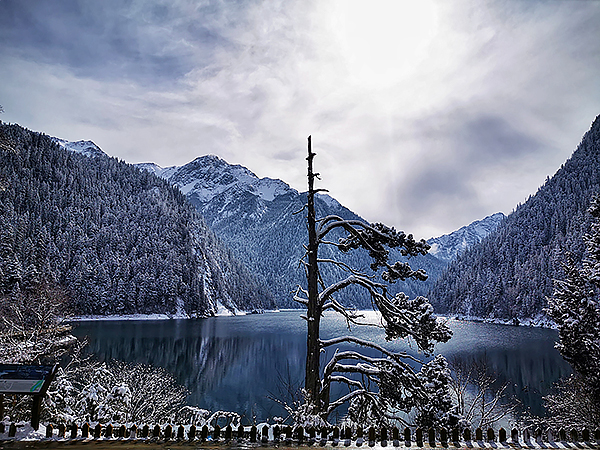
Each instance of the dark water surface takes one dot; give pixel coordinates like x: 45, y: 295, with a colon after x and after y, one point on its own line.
x: 235, y: 363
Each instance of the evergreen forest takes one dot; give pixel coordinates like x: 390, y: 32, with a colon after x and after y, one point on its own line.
x: 116, y: 239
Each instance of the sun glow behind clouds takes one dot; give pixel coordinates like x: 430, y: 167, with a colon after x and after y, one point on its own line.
x: 383, y: 42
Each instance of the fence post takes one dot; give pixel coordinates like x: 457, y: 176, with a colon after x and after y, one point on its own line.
x: 539, y: 435
x: 478, y: 434
x: 156, y: 431
x: 145, y: 431
x: 240, y: 431
x: 502, y: 435
x: 204, y: 433
x: 360, y: 433
x: 61, y: 430
x: 98, y: 431
x: 108, y: 432
x: 216, y: 433
x: 312, y: 435
x: 395, y: 435
x: 514, y: 436
x: 348, y: 433
x: 12, y: 430
x: 180, y: 433
x: 122, y: 431
x: 585, y: 435
x: 444, y: 437
x: 265, y: 434
x: 192, y: 433
x: 253, y: 433
x: 467, y: 435
x: 371, y: 434
x: 49, y: 430
x: 407, y: 437
x: 574, y: 435
x: 300, y: 434
x: 419, y: 437
x: 276, y: 433
x: 85, y: 430
x: 384, y: 434
x: 133, y: 431
x: 228, y: 432
x: 455, y: 436
x: 74, y: 430
x: 431, y: 437
x: 490, y: 435
x: 335, y: 435
x: 562, y: 435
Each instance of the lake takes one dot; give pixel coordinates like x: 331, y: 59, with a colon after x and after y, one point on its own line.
x: 235, y: 363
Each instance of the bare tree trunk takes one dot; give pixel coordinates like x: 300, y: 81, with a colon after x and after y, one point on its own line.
x: 312, y: 380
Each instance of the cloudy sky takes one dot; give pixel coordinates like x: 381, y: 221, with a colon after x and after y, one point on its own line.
x: 425, y: 114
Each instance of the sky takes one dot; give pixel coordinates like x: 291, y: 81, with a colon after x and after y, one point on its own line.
x: 424, y: 114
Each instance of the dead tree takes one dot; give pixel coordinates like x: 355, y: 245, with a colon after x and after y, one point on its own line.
x: 398, y: 384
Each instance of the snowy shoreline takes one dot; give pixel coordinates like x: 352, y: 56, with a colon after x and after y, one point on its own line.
x: 537, y: 322
x: 127, y: 317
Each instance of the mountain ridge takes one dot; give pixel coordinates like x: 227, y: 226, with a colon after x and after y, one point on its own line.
x: 232, y: 200
x: 246, y: 211
x: 510, y: 273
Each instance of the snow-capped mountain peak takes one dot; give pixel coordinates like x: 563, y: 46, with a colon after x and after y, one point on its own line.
x: 209, y: 176
x: 449, y: 246
x: 86, y: 148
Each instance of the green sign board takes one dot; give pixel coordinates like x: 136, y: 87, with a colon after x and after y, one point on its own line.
x: 27, y: 380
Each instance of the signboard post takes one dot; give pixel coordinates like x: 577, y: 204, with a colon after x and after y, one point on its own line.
x: 18, y: 379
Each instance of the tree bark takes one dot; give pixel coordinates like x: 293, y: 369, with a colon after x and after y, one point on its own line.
x: 312, y: 380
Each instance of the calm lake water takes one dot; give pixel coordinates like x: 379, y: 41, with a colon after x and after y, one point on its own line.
x: 235, y: 363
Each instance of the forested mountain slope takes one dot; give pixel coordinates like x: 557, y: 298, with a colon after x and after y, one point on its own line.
x: 511, y: 272
x: 117, y: 239
x: 258, y: 218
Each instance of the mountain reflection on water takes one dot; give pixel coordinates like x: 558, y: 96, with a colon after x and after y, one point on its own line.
x: 235, y: 363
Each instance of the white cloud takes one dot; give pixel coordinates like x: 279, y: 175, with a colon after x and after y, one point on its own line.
x: 426, y: 115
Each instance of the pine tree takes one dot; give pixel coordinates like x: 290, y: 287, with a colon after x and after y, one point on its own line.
x: 575, y: 309
x: 400, y: 387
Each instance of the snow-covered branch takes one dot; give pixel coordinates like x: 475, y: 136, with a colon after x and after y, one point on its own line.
x: 298, y: 298
x: 367, y: 283
x: 398, y: 356
x: 344, y: 266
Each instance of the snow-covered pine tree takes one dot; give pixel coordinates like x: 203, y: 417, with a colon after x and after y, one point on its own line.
x: 575, y: 309
x: 400, y: 389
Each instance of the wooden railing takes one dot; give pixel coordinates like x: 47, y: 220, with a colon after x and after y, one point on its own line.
x: 277, y: 434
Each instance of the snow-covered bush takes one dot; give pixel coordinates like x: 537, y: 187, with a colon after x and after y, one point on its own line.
x: 117, y: 392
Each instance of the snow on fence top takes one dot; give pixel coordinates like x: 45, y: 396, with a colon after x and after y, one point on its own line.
x: 276, y: 435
